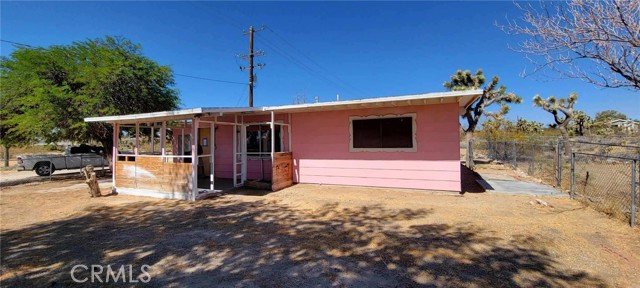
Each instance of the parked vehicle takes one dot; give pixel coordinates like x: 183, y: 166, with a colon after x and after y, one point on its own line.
x: 72, y: 158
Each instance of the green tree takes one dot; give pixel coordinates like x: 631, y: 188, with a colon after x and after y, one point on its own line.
x: 600, y: 124
x: 556, y: 107
x: 608, y: 115
x: 53, y: 89
x: 8, y: 110
x: 491, y: 94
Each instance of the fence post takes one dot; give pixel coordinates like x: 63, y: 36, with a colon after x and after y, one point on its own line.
x: 634, y: 164
x: 558, y: 165
x: 515, y: 155
x: 469, y: 154
x: 573, y: 175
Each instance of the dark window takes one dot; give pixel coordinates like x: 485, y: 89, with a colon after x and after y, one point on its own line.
x: 383, y: 133
x: 259, y: 140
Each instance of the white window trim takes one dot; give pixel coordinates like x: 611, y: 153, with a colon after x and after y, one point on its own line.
x: 413, y: 127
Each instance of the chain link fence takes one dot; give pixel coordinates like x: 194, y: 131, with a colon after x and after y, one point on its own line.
x: 607, y: 183
x: 602, y: 175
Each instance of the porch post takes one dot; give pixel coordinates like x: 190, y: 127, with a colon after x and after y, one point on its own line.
x: 194, y: 157
x: 135, y: 149
x: 153, y: 146
x: 243, y: 151
x: 163, y: 136
x: 212, y: 151
x: 289, y: 133
x: 273, y: 137
x: 114, y: 155
x: 235, y: 149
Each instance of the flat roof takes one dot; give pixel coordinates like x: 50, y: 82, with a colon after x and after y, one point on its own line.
x: 463, y: 98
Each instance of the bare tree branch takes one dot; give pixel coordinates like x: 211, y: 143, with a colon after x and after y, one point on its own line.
x: 595, y: 41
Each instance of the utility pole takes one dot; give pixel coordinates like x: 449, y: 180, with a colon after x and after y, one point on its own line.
x: 250, y: 58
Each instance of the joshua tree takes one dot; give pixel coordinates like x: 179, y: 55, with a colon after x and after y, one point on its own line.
x: 582, y: 121
x: 491, y: 94
x: 556, y: 107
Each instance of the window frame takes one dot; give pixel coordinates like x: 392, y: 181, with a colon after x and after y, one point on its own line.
x: 371, y: 117
x: 263, y: 155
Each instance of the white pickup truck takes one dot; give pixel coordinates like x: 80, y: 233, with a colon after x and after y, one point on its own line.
x: 72, y: 158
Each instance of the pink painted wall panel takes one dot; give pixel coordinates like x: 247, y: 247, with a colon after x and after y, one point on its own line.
x: 377, y: 182
x: 416, y: 164
x: 321, y: 150
x: 224, y: 151
x: 382, y: 173
x: 253, y: 169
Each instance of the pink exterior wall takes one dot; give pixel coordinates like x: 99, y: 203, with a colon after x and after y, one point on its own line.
x: 321, y: 150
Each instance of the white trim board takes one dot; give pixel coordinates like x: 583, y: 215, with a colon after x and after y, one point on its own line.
x: 153, y: 193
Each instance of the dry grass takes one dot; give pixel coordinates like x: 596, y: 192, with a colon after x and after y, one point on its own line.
x: 311, y: 235
x: 601, y: 182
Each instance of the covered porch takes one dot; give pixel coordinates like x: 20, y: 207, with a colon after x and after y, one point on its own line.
x: 192, y: 154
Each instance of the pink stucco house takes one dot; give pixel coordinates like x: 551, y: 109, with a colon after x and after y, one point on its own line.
x: 407, y: 141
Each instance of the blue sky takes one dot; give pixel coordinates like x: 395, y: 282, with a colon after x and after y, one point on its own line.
x: 364, y: 49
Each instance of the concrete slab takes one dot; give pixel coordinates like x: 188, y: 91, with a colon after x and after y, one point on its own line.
x: 513, y: 186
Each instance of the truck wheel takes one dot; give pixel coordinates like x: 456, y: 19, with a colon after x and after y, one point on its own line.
x: 42, y: 168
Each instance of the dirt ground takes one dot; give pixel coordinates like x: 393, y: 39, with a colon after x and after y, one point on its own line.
x: 314, y: 235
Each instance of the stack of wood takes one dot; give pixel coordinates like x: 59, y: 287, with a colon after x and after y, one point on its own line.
x: 92, y: 181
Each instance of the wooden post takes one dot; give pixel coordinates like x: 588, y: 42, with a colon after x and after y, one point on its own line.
x: 289, y: 133
x: 212, y: 151
x: 92, y: 181
x: 135, y: 149
x: 235, y: 150
x: 114, y: 156
x: 273, y: 136
x: 194, y: 157
x: 163, y: 137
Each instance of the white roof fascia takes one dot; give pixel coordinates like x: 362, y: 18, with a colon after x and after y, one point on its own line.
x: 175, y: 113
x: 377, y: 100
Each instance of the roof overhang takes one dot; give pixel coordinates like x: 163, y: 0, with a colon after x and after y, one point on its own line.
x: 174, y: 115
x: 462, y: 98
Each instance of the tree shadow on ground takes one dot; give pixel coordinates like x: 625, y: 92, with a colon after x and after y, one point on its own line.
x: 227, y: 242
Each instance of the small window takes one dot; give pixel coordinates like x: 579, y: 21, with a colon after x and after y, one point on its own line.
x: 259, y: 140
x: 383, y: 134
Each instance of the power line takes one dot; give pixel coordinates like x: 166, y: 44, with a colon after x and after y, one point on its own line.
x: 293, y: 59
x: 209, y: 79
x: 16, y: 43
x: 342, y: 82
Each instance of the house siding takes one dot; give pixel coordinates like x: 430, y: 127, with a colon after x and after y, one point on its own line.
x: 321, y: 150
